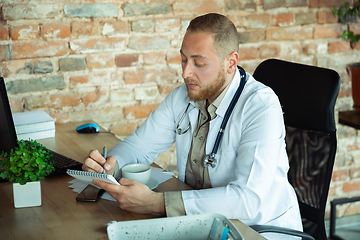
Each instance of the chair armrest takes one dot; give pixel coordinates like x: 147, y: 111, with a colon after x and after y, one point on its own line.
x: 287, y: 231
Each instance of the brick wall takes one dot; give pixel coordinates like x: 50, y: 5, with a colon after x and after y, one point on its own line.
x: 113, y: 61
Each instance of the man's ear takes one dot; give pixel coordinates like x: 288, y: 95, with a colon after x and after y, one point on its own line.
x: 232, y: 62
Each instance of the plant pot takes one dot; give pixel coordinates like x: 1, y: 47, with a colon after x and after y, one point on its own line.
x: 354, y: 72
x: 28, y: 195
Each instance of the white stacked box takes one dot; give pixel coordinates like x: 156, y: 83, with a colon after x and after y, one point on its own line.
x: 34, y: 125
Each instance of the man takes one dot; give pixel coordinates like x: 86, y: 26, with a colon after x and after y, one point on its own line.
x: 249, y: 181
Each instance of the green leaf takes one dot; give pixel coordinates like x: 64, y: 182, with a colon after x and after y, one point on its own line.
x: 21, y: 164
x: 3, y: 175
x: 39, y: 160
x: 334, y: 11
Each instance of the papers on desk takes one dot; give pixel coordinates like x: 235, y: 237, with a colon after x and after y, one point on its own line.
x: 34, y: 125
x: 156, y: 173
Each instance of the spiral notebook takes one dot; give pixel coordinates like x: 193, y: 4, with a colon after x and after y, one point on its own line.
x: 89, y: 176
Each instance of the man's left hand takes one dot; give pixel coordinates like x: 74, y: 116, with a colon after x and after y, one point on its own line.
x: 133, y: 196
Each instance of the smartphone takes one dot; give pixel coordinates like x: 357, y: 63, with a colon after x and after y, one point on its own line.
x: 90, y: 194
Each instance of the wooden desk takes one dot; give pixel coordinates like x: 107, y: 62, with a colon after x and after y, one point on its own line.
x: 350, y: 118
x: 61, y: 216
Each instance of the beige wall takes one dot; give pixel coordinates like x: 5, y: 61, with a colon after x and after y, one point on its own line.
x: 113, y: 62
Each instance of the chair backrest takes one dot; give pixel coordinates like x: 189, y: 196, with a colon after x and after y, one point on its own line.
x: 307, y: 95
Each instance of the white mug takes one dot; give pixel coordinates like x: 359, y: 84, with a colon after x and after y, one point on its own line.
x: 138, y: 171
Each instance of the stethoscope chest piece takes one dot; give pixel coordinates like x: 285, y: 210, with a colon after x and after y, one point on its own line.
x: 210, y: 160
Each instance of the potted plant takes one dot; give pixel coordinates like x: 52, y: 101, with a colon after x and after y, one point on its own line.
x: 347, y: 14
x: 25, y: 166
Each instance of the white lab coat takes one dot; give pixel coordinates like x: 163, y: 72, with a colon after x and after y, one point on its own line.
x: 249, y: 182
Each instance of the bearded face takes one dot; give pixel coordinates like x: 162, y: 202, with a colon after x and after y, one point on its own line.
x: 198, y: 91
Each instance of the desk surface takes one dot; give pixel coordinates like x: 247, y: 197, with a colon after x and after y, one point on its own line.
x: 350, y: 118
x: 61, y: 216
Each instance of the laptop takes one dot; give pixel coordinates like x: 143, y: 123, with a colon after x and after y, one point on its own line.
x: 8, y: 138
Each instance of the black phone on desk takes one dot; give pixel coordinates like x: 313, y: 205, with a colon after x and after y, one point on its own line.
x: 90, y: 194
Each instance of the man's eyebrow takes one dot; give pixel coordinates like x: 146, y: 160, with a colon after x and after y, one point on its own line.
x: 193, y: 56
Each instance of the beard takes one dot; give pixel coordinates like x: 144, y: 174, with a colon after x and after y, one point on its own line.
x: 207, y: 91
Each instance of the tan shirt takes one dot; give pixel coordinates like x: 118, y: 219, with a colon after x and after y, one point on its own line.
x: 196, y: 175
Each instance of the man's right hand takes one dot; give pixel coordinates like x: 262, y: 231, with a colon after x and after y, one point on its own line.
x: 95, y: 162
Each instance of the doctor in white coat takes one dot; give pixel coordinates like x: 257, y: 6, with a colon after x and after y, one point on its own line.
x: 247, y: 179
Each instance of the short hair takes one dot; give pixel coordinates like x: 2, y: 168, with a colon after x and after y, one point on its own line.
x: 226, y: 38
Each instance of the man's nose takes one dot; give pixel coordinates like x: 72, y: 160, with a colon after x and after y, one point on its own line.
x: 187, y: 71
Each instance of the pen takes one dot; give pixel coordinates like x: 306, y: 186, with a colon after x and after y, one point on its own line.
x: 104, y: 153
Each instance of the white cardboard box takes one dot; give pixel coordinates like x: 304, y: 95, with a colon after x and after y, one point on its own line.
x: 184, y: 227
x: 34, y: 125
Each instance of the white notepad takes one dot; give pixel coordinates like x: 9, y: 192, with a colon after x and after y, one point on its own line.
x: 89, y: 176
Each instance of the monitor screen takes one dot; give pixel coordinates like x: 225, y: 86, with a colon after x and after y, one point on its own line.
x: 7, y: 128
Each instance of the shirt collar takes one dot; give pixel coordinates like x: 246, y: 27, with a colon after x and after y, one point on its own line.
x: 215, y: 104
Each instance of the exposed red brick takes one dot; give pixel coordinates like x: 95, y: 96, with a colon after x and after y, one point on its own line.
x: 355, y: 27
x: 60, y: 117
x: 326, y: 3
x: 100, y: 61
x: 355, y: 173
x: 283, y: 19
x: 252, y: 36
x: 248, y: 53
x: 168, y: 88
x: 310, y: 49
x: 345, y: 91
x: 3, y: 53
x: 164, y: 75
x: 55, y: 30
x: 339, y: 175
x: 140, y: 111
x: 237, y: 20
x: 154, y: 58
x: 257, y: 21
x: 65, y: 100
x: 98, y: 44
x: 25, y: 32
x: 326, y: 17
x: 38, y: 49
x: 132, y: 77
x: 357, y: 46
x: 92, y: 97
x: 4, y: 71
x: 4, y: 32
x: 109, y: 28
x: 173, y: 57
x: 328, y: 31
x: 269, y: 51
x: 291, y: 33
x: 126, y: 60
x: 353, y: 147
x: 351, y: 209
x: 197, y: 7
x: 85, y: 29
x: 351, y: 186
x: 78, y: 79
x: 332, y: 191
x: 164, y: 25
x: 341, y: 46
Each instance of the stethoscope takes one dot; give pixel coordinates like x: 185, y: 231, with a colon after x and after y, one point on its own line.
x: 210, y: 159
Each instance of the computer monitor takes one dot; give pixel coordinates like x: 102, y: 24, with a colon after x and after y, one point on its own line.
x: 7, y: 129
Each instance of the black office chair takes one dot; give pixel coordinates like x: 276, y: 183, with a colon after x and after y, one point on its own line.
x: 307, y: 95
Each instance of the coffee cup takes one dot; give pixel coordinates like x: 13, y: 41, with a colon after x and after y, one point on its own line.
x: 138, y: 171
